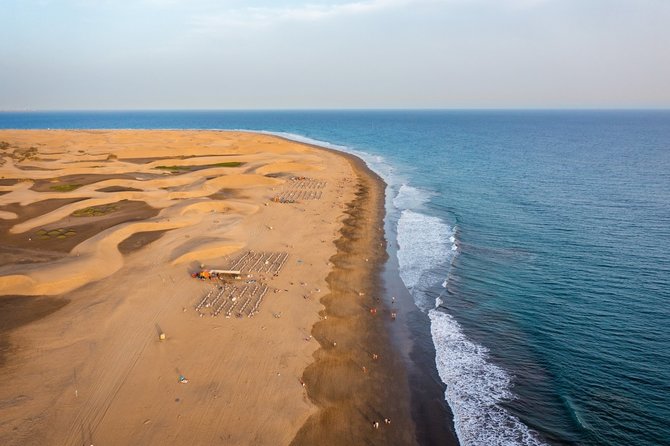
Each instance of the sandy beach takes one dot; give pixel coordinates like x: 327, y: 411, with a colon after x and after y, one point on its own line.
x: 100, y: 234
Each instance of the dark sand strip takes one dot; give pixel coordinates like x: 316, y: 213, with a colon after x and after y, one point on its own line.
x: 351, y: 389
x: 78, y: 180
x: 139, y: 240
x: 431, y: 417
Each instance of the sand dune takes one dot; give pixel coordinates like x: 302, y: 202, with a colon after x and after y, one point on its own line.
x: 286, y: 167
x: 210, y: 251
x: 90, y: 368
x: 174, y: 193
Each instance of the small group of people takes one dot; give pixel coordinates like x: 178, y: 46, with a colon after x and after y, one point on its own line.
x: 394, y: 313
x: 375, y: 424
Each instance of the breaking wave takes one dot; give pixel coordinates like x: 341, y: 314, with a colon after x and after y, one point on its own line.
x: 475, y: 388
x: 409, y: 197
x: 425, y: 246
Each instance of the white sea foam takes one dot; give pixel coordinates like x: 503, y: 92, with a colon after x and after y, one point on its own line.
x: 306, y: 140
x: 424, y: 245
x: 475, y: 388
x: 409, y: 197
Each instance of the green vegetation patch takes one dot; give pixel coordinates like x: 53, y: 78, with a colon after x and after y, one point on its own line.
x: 60, y: 233
x: 228, y: 164
x: 205, y: 166
x: 95, y: 211
x: 65, y: 187
x: 22, y: 154
x: 173, y: 168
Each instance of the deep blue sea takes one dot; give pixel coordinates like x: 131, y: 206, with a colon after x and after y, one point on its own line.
x: 536, y: 244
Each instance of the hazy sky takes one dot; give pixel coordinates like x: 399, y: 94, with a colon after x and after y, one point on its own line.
x: 230, y: 54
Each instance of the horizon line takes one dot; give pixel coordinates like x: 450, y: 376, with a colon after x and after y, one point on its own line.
x: 390, y: 109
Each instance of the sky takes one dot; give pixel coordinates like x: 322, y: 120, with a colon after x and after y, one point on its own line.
x: 305, y: 54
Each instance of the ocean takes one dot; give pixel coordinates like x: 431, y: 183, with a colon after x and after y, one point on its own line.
x: 535, y: 246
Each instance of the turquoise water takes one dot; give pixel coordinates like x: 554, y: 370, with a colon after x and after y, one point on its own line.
x: 535, y: 242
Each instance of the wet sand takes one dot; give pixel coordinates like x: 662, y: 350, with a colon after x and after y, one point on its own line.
x: 357, y: 379
x: 407, y: 343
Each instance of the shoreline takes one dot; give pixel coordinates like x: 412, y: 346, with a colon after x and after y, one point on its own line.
x: 409, y: 338
x: 347, y: 387
x: 377, y: 389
